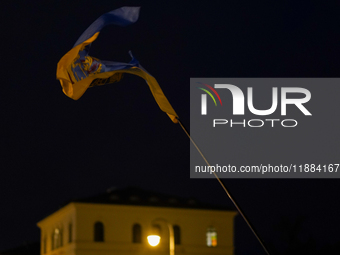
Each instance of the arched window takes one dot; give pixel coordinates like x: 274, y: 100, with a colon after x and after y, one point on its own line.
x: 211, y: 237
x: 61, y: 237
x: 98, y: 232
x: 52, y: 241
x: 70, y: 233
x: 57, y: 238
x: 137, y: 233
x: 177, y: 234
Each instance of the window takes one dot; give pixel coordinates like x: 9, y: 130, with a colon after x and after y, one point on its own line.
x: 61, y: 237
x: 70, y: 233
x: 57, y: 240
x: 211, y: 237
x: 177, y: 234
x: 98, y: 232
x: 137, y: 233
x: 44, y: 245
x: 52, y: 241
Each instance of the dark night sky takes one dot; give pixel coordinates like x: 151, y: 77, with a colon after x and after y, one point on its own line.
x: 55, y: 149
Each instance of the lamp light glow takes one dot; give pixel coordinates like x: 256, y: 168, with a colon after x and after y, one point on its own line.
x: 154, y: 240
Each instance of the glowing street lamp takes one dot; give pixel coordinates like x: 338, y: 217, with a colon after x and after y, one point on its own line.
x: 154, y: 239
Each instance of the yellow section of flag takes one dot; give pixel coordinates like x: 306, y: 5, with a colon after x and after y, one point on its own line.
x: 74, y: 87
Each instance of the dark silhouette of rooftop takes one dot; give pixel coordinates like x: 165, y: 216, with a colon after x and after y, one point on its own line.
x: 142, y: 197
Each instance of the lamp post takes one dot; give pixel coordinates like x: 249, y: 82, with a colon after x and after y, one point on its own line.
x: 154, y: 239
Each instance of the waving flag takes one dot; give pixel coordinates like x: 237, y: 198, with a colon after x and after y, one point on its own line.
x: 77, y: 71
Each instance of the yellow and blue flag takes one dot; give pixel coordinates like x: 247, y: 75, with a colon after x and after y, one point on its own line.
x: 77, y: 71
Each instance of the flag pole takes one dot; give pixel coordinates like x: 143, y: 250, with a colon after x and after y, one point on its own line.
x: 226, y: 191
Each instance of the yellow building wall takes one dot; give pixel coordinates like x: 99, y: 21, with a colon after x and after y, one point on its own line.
x: 118, y: 221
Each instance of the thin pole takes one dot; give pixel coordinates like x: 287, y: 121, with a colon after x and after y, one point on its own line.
x: 226, y: 191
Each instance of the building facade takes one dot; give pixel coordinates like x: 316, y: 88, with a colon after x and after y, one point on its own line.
x: 119, y: 221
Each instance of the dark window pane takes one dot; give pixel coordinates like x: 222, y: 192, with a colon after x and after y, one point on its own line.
x: 44, y: 245
x: 137, y: 234
x: 70, y: 232
x: 52, y: 241
x: 98, y: 232
x: 177, y: 234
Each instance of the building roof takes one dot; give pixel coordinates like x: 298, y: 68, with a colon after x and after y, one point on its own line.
x: 140, y: 197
